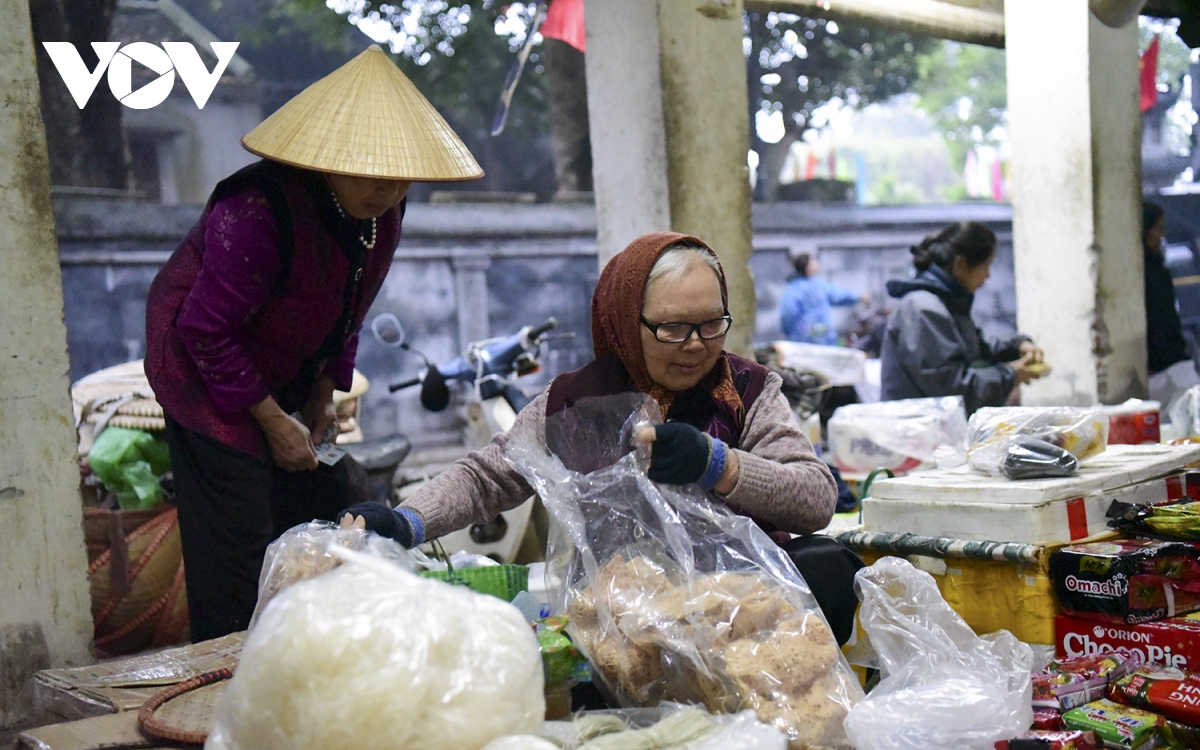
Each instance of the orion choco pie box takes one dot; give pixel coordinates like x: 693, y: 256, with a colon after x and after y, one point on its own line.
x: 1127, y: 580
x: 1173, y: 643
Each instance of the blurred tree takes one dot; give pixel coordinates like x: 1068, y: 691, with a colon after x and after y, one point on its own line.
x: 795, y: 65
x: 87, y: 147
x: 457, y: 52
x: 963, y: 87
x: 290, y: 43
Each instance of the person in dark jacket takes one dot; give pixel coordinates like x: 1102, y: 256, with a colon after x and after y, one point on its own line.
x: 253, y: 322
x: 1165, y: 344
x: 932, y: 346
x: 1167, y: 360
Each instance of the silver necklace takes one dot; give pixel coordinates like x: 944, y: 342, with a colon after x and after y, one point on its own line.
x: 341, y: 212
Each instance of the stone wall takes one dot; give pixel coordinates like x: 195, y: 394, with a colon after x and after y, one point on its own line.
x: 464, y: 272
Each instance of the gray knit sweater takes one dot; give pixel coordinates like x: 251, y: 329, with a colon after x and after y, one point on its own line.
x: 781, y: 481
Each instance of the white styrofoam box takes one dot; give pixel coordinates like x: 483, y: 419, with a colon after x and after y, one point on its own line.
x: 1119, y: 466
x: 1064, y: 520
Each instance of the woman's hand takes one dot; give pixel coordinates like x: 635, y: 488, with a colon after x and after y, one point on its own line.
x: 1022, y: 368
x: 289, y: 440
x: 1028, y: 348
x: 682, y: 454
x: 318, y: 412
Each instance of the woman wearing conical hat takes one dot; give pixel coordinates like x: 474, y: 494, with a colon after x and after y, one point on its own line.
x: 255, y: 317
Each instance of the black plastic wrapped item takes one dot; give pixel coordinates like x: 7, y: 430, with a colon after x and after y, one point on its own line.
x: 1033, y: 458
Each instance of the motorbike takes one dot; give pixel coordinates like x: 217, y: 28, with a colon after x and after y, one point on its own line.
x: 487, y: 371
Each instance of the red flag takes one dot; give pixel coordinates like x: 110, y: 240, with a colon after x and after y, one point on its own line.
x: 832, y: 164
x: 564, y: 20
x: 1148, y: 70
x: 810, y: 168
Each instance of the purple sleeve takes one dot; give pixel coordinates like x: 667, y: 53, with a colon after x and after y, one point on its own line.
x: 341, y: 368
x: 237, y: 276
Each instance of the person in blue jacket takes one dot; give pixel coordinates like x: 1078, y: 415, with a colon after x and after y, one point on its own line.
x: 805, y: 309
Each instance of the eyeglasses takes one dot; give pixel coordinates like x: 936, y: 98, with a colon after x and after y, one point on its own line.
x: 677, y: 333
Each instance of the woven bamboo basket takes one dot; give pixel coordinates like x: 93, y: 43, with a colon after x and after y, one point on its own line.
x: 136, y: 571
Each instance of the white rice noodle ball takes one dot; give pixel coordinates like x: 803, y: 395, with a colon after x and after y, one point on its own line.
x: 521, y: 742
x: 369, y: 657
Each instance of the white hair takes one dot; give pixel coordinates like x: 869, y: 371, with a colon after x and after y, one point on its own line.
x: 677, y: 259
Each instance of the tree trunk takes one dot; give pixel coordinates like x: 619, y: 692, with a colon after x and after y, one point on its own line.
x: 87, y: 147
x: 105, y: 161
x: 753, y: 88
x: 771, y: 159
x: 59, y: 113
x: 566, y: 100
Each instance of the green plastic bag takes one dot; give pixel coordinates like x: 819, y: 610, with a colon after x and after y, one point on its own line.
x: 129, y: 462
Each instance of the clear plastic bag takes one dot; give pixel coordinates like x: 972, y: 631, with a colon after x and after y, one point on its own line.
x: 671, y: 595
x: 942, y: 686
x: 371, y: 657
x: 1000, y: 439
x: 898, y: 435
x: 304, y: 552
x: 670, y: 726
x: 1184, y: 413
x: 840, y: 364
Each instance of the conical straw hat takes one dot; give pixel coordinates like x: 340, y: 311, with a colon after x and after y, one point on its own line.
x: 367, y: 119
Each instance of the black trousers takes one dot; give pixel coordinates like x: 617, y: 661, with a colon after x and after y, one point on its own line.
x: 231, y: 506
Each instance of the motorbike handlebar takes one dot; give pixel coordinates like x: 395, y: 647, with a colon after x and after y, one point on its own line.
x: 404, y: 384
x: 536, y: 333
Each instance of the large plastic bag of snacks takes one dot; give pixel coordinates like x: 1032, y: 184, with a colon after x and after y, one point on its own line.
x: 1025, y: 442
x: 371, y: 657
x: 898, y: 435
x: 306, y: 551
x: 942, y: 686
x: 671, y: 595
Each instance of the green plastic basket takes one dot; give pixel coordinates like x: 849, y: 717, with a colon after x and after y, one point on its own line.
x: 503, y: 581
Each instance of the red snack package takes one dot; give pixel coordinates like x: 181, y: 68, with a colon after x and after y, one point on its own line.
x: 1051, y: 741
x: 1047, y: 720
x: 1169, y: 691
x: 1072, y: 682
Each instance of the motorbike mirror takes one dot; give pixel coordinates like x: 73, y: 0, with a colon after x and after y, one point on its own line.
x: 387, y: 330
x: 435, y: 396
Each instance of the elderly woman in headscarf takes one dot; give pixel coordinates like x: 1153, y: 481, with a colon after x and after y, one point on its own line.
x: 659, y: 320
x: 253, y: 322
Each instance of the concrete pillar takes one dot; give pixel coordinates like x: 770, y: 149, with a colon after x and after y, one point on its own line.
x: 1076, y: 136
x: 43, y: 563
x: 470, y: 286
x: 668, y: 108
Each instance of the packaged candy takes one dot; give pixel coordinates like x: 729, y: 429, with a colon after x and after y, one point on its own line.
x: 1069, y: 683
x: 1127, y: 581
x: 1039, y: 740
x: 1178, y: 520
x: 1164, y: 690
x: 1046, y: 719
x: 1117, y: 726
x: 1180, y: 735
x: 560, y: 659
